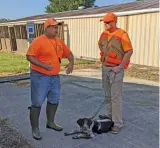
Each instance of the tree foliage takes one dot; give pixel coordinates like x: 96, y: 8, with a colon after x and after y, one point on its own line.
x: 66, y: 5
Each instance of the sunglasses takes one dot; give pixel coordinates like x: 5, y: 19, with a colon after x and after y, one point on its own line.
x: 107, y: 22
x: 51, y: 26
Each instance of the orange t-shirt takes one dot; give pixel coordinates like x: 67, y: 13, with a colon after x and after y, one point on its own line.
x: 125, y: 40
x: 47, y: 51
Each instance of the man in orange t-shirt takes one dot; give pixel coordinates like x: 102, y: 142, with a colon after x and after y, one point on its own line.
x: 115, y: 50
x: 45, y: 54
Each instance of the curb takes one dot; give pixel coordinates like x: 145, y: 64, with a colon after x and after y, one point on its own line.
x: 14, y: 78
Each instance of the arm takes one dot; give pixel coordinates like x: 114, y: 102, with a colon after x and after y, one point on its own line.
x: 102, y: 49
x: 126, y: 57
x: 36, y: 62
x: 68, y: 54
x: 70, y: 58
x: 69, y: 67
x: 127, y: 47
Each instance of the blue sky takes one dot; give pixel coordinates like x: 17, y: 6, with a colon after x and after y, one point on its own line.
x: 13, y: 9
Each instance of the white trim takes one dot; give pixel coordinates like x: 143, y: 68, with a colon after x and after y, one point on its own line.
x: 133, y: 12
x: 117, y: 13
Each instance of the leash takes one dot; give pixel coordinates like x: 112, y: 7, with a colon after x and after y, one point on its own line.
x: 98, y: 110
x: 103, y: 101
x: 99, y: 106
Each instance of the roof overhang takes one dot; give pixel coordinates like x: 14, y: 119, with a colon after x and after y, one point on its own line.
x: 124, y: 13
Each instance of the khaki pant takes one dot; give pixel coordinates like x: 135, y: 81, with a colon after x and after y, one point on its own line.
x: 113, y: 85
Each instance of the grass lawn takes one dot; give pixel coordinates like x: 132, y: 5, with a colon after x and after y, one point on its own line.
x: 13, y: 63
x: 17, y: 63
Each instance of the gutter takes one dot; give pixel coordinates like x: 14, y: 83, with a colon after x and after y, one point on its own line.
x: 133, y: 12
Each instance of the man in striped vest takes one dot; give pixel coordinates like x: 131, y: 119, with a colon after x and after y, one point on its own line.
x: 115, y: 50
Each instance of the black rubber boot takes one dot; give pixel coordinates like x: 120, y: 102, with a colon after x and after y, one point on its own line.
x: 50, y: 112
x: 34, y: 120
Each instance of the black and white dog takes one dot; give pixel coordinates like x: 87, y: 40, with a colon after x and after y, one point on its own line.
x: 89, y: 126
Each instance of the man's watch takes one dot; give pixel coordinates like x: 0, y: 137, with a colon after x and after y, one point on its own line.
x: 120, y: 67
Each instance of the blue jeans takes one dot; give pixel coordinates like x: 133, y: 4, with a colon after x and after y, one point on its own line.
x: 44, y: 86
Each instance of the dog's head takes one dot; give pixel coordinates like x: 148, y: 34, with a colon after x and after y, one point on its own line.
x: 85, y: 123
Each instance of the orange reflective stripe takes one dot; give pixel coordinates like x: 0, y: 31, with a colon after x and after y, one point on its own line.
x: 116, y: 61
x: 113, y: 61
x: 112, y: 54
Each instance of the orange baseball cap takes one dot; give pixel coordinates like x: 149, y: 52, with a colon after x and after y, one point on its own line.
x: 109, y: 17
x: 50, y: 21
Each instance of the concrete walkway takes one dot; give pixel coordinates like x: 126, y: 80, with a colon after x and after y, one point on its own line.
x: 81, y: 96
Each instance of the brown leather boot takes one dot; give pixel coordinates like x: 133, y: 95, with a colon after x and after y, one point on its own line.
x: 115, y: 129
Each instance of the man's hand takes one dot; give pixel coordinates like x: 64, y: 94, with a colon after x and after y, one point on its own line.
x: 116, y: 69
x: 48, y: 67
x: 69, y: 68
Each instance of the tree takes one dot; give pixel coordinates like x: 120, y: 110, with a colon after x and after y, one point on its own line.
x: 66, y: 5
x: 3, y: 20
